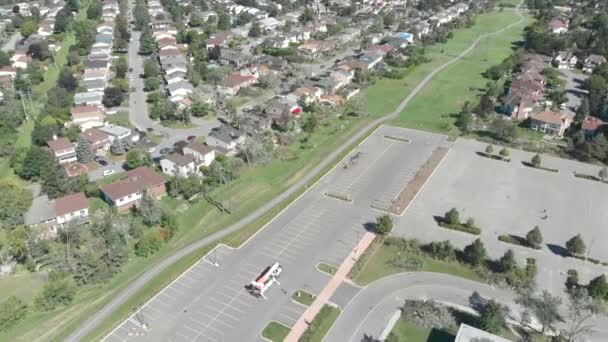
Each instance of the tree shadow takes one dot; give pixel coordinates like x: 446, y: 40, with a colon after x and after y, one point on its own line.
x: 438, y: 219
x: 558, y: 250
x: 438, y: 335
x: 370, y: 226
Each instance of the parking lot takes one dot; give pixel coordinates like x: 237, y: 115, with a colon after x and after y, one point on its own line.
x: 209, y: 303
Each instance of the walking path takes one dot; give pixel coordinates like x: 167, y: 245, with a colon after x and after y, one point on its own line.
x: 140, y: 282
x: 331, y: 287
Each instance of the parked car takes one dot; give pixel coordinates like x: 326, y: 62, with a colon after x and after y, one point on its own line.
x: 166, y: 150
x: 150, y: 149
x: 150, y: 129
x: 190, y: 138
x: 101, y: 161
x: 107, y: 172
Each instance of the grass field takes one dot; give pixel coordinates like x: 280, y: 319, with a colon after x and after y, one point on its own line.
x: 376, y: 263
x: 275, y: 332
x: 444, y: 95
x: 13, y: 285
x: 327, y: 268
x: 319, y: 326
x: 303, y: 297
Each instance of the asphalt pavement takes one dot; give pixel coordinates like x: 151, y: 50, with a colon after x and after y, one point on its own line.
x: 574, y: 90
x: 108, y: 309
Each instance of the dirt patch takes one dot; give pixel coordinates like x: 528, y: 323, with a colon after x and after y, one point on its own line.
x: 414, y: 186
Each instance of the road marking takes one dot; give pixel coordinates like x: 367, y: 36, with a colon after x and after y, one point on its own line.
x: 221, y: 312
x: 215, y: 319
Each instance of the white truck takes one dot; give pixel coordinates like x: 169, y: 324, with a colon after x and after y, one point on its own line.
x: 269, y: 276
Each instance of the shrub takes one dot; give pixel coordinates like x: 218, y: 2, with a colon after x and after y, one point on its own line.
x: 572, y: 279
x: 536, y: 160
x: 441, y: 250
x: 384, y: 225
x: 428, y: 314
x: 462, y: 228
x: 534, y: 237
x: 576, y: 245
x: 452, y: 217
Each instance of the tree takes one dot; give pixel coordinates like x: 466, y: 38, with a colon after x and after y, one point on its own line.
x: 489, y: 149
x: 223, y: 21
x: 148, y: 210
x: 492, y: 317
x: 596, y: 86
x: 147, y: 245
x: 17, y: 243
x: 95, y: 10
x: 39, y: 50
x: 67, y: 80
x: 55, y: 293
x: 151, y: 83
x: 503, y: 129
x: 148, y: 44
x: 63, y: 19
x: 536, y: 160
x: 485, y: 107
x: 576, y: 245
x: 14, y: 202
x: 534, y: 237
x: 199, y: 109
x: 12, y: 310
x: 582, y: 310
x: 72, y: 5
x: 117, y: 147
x: 136, y: 158
x: 598, y: 288
x: 255, y: 31
x: 603, y: 173
x: 475, y: 253
x: 465, y: 119
x: 29, y: 27
x: 452, y: 216
x: 151, y: 68
x: 112, y: 97
x: 84, y: 152
x: 73, y: 58
x: 307, y: 15
x: 504, y: 153
x: 121, y: 67
x: 507, y: 262
x: 582, y: 112
x: 309, y: 123
x: 384, y: 225
x: 544, y: 307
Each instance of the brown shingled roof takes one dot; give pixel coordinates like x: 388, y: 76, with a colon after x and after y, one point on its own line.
x: 136, y: 180
x: 59, y: 144
x: 71, y: 203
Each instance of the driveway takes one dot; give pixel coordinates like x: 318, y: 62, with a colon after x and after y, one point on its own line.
x: 138, y: 107
x: 574, y: 90
x: 97, y: 174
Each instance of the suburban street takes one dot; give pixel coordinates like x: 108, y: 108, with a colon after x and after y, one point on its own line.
x: 138, y: 107
x: 108, y: 309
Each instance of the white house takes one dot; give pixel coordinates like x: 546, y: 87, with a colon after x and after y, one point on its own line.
x: 225, y: 139
x: 202, y: 154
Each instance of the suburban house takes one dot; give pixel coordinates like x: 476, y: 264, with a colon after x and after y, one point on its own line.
x: 179, y: 90
x: 119, y: 132
x: 565, y: 60
x: 219, y: 39
x: 88, y: 98
x: 63, y: 150
x: 86, y: 117
x: 56, y: 213
x: 467, y: 333
x: 96, y: 84
x: 558, y: 25
x: 100, y: 142
x: 202, y: 154
x: 591, y: 125
x: 592, y: 62
x: 126, y: 192
x: 517, y: 106
x: 314, y: 47
x: 178, y: 165
x: 550, y: 123
x: 225, y: 139
x: 235, y: 82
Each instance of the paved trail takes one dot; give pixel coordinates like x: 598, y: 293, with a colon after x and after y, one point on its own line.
x: 140, y: 282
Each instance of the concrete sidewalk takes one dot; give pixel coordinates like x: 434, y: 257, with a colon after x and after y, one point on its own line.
x: 331, y: 287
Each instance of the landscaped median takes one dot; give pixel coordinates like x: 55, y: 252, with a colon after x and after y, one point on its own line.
x: 275, y: 332
x: 303, y: 297
x: 319, y: 326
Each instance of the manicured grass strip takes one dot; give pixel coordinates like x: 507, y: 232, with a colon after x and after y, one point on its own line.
x: 275, y: 332
x: 319, y: 326
x: 327, y: 268
x: 303, y: 297
x: 386, y: 260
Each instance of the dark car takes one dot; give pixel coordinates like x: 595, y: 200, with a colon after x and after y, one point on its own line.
x: 166, y: 150
x: 101, y: 161
x: 190, y: 138
x: 150, y: 129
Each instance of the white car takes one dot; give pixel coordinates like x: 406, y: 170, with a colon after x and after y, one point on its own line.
x: 107, y: 172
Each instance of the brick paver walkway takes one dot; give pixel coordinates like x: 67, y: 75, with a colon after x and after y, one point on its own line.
x: 331, y: 287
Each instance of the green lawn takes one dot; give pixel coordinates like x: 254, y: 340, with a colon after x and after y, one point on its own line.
x: 327, y: 268
x: 303, y: 297
x: 13, y: 285
x: 407, y: 331
x: 456, y: 84
x: 377, y: 263
x: 319, y: 326
x: 275, y: 332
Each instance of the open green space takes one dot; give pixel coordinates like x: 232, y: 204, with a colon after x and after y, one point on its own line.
x: 433, y: 107
x: 327, y: 268
x: 275, y: 332
x: 303, y: 297
x: 13, y: 285
x: 319, y: 326
x: 382, y: 260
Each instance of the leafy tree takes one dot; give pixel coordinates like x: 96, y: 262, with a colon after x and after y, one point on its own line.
x: 452, y: 216
x: 545, y: 308
x: 507, y: 262
x: 534, y: 237
x: 29, y: 27
x: 598, y: 288
x: 63, y: 19
x: 384, y: 224
x: 147, y: 245
x: 17, y: 243
x: 576, y: 245
x: 73, y: 58
x: 255, y: 31
x: 148, y: 210
x: 485, y: 107
x: 504, y: 153
x: 84, y: 152
x: 309, y: 123
x: 89, y: 269
x: 465, y: 119
x: 307, y: 15
x: 199, y: 109
x: 85, y: 35
x: 112, y: 97
x: 151, y: 68
x: 536, y: 160
x: 492, y: 317
x: 55, y: 182
x: 475, y: 253
x: 582, y: 112
x: 72, y: 5
x: 489, y: 149
x: 67, y: 80
x: 14, y: 202
x: 151, y: 83
x: 572, y: 279
x: 95, y: 10
x: 147, y: 43
x: 136, y: 158
x: 503, y: 130
x: 223, y: 21
x: 442, y: 250
x: 12, y: 310
x: 55, y: 293
x: 117, y: 147
x: 596, y: 86
x: 39, y: 50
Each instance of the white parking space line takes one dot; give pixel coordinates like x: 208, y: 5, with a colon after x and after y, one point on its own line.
x: 181, y: 335
x: 222, y: 312
x: 164, y: 293
x: 211, y: 318
x: 299, y: 312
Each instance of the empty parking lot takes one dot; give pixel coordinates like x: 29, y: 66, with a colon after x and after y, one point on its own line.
x: 209, y: 303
